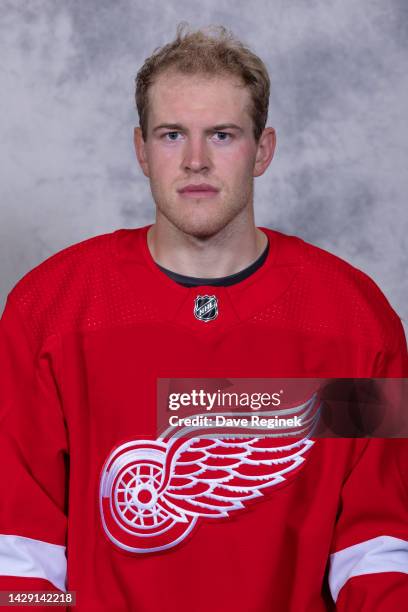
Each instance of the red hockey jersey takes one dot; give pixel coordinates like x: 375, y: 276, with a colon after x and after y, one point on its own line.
x: 84, y: 338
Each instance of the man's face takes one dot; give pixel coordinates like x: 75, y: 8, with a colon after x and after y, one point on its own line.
x: 200, y: 151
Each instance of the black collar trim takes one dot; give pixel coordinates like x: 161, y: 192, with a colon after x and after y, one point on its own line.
x: 224, y: 281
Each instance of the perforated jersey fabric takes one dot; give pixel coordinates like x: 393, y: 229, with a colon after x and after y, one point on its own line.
x: 83, y: 340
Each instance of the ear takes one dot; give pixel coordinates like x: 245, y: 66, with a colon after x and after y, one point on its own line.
x: 140, y: 148
x: 265, y: 150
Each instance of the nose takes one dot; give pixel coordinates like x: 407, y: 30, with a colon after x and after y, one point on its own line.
x: 196, y: 155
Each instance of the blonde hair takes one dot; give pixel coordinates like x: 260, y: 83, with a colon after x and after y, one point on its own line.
x: 213, y: 51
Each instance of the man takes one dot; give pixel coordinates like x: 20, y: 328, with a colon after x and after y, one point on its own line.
x: 202, y: 293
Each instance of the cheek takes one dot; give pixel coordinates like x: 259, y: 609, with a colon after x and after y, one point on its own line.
x: 161, y: 163
x: 237, y: 162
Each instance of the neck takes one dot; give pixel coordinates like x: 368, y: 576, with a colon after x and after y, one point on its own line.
x: 228, y: 251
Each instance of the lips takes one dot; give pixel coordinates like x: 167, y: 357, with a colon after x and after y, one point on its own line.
x: 201, y: 188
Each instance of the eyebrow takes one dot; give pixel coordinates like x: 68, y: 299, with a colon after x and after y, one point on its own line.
x: 215, y: 128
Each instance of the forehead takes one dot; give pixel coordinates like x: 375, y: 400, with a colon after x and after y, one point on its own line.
x: 176, y: 97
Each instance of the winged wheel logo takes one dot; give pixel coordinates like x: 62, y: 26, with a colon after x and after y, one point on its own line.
x: 152, y: 493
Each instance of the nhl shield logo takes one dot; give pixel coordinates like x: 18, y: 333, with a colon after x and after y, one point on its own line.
x: 206, y: 308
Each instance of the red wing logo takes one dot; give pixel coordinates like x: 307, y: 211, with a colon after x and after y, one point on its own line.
x: 152, y: 493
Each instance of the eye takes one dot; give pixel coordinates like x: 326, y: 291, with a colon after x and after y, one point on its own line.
x: 223, y: 136
x: 171, y: 136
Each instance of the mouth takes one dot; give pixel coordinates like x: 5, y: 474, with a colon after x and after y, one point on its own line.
x: 198, y: 191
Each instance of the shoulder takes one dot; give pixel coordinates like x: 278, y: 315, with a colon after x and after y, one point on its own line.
x: 59, y: 291
x: 328, y: 272
x: 62, y: 267
x: 335, y: 297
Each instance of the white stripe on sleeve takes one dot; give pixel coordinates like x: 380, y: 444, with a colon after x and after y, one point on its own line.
x: 382, y: 554
x: 25, y: 557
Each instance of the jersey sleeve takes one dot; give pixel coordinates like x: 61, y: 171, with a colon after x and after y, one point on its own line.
x: 368, y: 567
x: 369, y: 557
x: 394, y: 362
x: 33, y: 462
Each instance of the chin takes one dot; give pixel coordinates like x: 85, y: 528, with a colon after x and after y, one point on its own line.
x: 201, y: 220
x: 201, y: 228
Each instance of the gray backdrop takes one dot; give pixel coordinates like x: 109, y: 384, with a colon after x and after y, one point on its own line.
x: 339, y: 97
